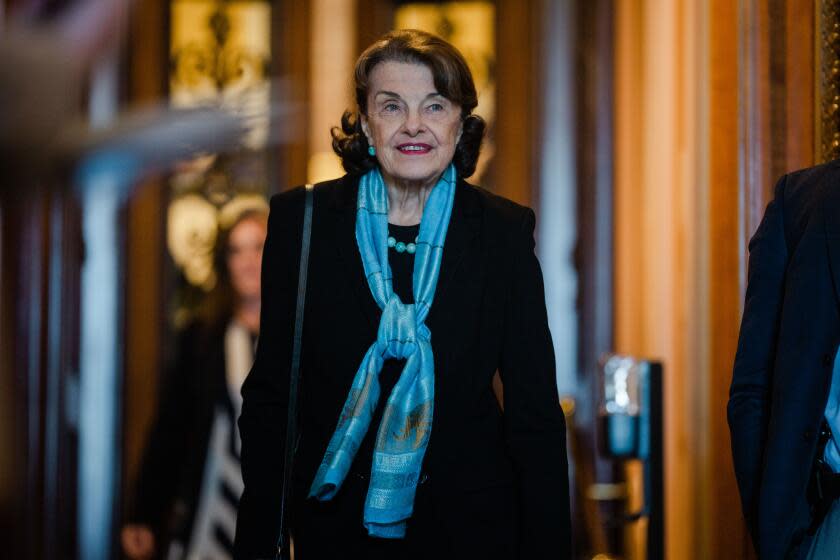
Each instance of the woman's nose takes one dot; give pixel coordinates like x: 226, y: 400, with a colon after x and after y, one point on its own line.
x: 413, y: 123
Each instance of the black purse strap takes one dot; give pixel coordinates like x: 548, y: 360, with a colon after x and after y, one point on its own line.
x: 294, y: 374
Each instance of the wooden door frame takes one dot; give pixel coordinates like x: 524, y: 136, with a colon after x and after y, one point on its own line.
x: 594, y: 261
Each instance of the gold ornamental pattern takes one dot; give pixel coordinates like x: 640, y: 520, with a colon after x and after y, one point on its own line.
x: 828, y: 77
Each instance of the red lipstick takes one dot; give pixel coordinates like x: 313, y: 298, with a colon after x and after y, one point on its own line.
x: 414, y: 148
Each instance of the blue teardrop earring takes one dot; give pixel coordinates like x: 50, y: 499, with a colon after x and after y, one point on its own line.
x: 371, y: 150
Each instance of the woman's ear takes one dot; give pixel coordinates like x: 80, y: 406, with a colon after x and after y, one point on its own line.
x: 366, y: 128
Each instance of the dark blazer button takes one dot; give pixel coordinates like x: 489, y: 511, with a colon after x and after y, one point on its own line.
x: 826, y: 360
x: 808, y: 435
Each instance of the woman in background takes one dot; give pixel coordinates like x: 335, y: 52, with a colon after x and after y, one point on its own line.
x: 189, y: 484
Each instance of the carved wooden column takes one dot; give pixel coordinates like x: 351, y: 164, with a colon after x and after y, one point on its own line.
x: 145, y: 250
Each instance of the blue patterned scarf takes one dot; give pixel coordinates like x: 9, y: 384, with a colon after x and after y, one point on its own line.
x: 407, y: 421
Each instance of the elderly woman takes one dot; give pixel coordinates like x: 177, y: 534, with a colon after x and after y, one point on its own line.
x: 420, y: 288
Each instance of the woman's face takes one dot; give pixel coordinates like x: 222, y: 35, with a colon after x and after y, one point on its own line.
x: 413, y: 128
x: 244, y: 257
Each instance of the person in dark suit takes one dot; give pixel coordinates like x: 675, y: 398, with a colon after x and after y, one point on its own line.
x: 189, y: 482
x: 783, y: 405
x: 421, y: 286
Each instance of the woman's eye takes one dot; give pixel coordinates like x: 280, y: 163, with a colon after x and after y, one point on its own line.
x: 436, y: 107
x: 391, y: 107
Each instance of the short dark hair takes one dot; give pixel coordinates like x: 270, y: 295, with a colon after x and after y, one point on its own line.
x: 452, y: 78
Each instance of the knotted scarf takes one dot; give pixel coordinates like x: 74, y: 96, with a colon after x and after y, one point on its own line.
x: 407, y: 420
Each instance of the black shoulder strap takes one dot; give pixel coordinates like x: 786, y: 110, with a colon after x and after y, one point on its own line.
x: 294, y: 374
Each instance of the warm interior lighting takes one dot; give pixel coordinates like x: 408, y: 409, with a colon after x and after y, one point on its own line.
x: 219, y: 55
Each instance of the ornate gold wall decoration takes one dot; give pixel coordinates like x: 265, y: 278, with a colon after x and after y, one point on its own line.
x: 828, y: 80
x: 219, y: 54
x: 190, y: 237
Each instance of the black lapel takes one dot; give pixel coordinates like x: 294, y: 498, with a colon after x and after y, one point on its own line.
x: 344, y: 205
x: 832, y: 230
x: 464, y: 226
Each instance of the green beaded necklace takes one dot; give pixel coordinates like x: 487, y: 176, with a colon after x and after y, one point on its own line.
x: 401, y: 247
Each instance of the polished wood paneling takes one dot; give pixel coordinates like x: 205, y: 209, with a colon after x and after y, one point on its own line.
x: 147, y: 63
x: 756, y: 118
x: 798, y: 86
x: 629, y: 316
x: 513, y: 171
x: 373, y: 19
x: 290, y: 36
x: 594, y: 262
x: 145, y: 320
x: 774, y: 105
x: 727, y: 532
x: 773, y: 108
x: 658, y: 186
x: 331, y: 65
x: 594, y: 146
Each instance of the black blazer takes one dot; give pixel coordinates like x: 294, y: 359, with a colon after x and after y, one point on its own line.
x: 789, y: 337
x: 171, y: 471
x: 488, y: 315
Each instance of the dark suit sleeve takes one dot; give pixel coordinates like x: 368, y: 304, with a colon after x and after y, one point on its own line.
x: 749, y: 395
x: 265, y: 391
x: 534, y: 423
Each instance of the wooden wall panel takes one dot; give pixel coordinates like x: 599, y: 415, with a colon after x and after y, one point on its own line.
x: 740, y: 118
x: 147, y: 63
x: 797, y: 87
x: 756, y: 142
x: 517, y: 34
x: 658, y: 185
x: 773, y: 108
x: 290, y: 61
x: 145, y: 320
x: 629, y: 316
x: 331, y: 63
x: 374, y: 18
x: 726, y: 234
x: 594, y: 263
